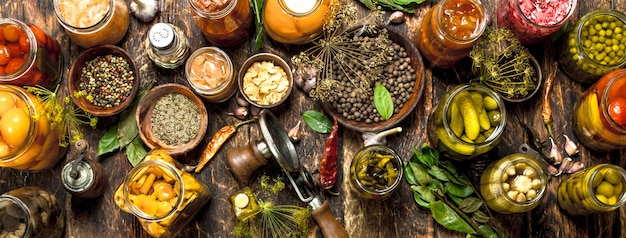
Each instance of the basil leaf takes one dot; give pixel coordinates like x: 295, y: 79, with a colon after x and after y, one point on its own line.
x: 408, y: 174
x: 470, y: 204
x: 448, y: 218
x: 135, y: 151
x: 317, y: 121
x: 420, y: 173
x: 108, y: 142
x: 383, y: 101
x: 489, y: 231
x: 438, y: 173
x: 419, y: 200
x: 460, y: 191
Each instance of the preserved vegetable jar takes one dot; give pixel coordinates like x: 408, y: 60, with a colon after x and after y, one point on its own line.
x: 468, y: 121
x: 295, y: 21
x: 600, y: 113
x: 534, y: 20
x: 167, y: 45
x: 224, y: 23
x: 449, y: 30
x: 595, y: 46
x: 30, y: 212
x: 594, y: 190
x: 28, y: 56
x: 211, y: 74
x: 244, y: 204
x: 26, y: 143
x: 162, y: 197
x: 376, y: 171
x: 92, y: 23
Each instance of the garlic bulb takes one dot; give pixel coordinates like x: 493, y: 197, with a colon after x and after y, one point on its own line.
x: 144, y: 10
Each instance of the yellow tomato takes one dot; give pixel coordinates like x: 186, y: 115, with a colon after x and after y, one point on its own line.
x: 14, y: 126
x: 7, y: 101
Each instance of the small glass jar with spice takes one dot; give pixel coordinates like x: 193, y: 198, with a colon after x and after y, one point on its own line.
x: 211, y: 74
x: 167, y: 45
x: 376, y: 171
x: 594, y: 190
x: 224, y: 23
x: 30, y: 212
x: 295, y: 21
x: 534, y: 20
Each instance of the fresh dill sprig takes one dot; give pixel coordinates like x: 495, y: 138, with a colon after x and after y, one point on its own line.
x: 283, y: 221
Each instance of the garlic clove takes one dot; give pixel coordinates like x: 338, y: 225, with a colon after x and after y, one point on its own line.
x: 571, y: 148
x: 144, y: 10
x: 396, y: 17
x: 577, y: 166
x: 555, y: 155
x: 294, y: 133
x: 565, y: 165
x: 240, y: 113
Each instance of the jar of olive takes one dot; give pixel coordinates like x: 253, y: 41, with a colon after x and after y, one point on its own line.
x: 375, y: 172
x: 596, y: 189
x: 30, y: 212
x: 595, y: 46
x: 244, y: 204
x: 468, y: 121
x: 514, y: 184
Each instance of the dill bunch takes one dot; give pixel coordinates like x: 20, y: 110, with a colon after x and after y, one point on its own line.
x: 283, y: 221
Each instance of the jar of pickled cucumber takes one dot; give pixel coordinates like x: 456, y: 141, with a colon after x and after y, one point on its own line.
x: 224, y: 23
x: 295, y: 21
x: 468, y: 121
x: 514, y: 184
x: 30, y: 212
x: 161, y: 196
x: 376, y: 171
x: 593, y: 190
x: 595, y: 46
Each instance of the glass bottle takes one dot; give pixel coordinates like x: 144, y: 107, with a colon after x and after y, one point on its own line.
x: 167, y: 45
x: 244, y: 204
x: 295, y: 21
x: 594, y: 190
x: 226, y: 24
x: 376, y: 172
x: 534, y: 20
x: 30, y: 212
x: 211, y: 74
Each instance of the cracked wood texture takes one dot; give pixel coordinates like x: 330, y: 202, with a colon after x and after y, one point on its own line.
x: 398, y: 216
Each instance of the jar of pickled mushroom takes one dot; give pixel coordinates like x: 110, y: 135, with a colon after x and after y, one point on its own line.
x: 595, y: 46
x: 376, y: 171
x: 534, y: 20
x: 28, y: 56
x: 594, y: 190
x: 600, y: 113
x: 30, y: 212
x: 449, y: 31
x: 27, y: 140
x: 211, y: 74
x: 295, y: 21
x: 161, y: 196
x: 468, y: 121
x: 224, y: 23
x: 92, y: 23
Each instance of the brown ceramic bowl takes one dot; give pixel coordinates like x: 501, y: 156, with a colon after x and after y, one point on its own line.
x: 144, y: 116
x: 76, y: 71
x: 277, y: 61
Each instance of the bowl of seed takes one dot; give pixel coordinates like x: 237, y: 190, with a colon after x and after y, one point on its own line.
x: 265, y: 80
x: 103, y: 80
x: 171, y: 117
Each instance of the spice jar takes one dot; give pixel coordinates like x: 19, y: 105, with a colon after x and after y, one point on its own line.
x: 244, y: 204
x: 211, y: 74
x: 295, y: 21
x: 514, y: 184
x: 594, y: 190
x: 449, y: 31
x: 534, y: 20
x: 594, y: 46
x: 30, y: 212
x: 167, y: 45
x: 162, y: 197
x: 376, y: 171
x: 91, y: 23
x: 468, y: 121
x: 224, y: 23
x: 26, y: 143
x: 28, y: 56
x: 600, y: 114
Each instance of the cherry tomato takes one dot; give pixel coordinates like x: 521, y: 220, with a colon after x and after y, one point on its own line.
x: 2, y: 40
x: 7, y: 101
x: 24, y: 43
x: 14, y: 65
x: 12, y: 33
x: 14, y: 126
x: 15, y: 50
x: 617, y: 111
x: 40, y: 37
x: 5, y: 55
x: 2, y: 69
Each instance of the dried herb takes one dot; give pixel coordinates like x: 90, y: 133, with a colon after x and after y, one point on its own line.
x: 328, y: 165
x: 175, y: 119
x: 220, y: 137
x: 401, y: 5
x: 317, y: 121
x: 546, y: 109
x: 383, y: 101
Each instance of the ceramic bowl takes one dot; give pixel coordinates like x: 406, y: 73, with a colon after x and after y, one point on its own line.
x: 256, y: 93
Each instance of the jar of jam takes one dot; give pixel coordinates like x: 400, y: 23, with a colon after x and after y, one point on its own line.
x: 468, y: 121
x: 224, y: 23
x: 534, y: 20
x: 376, y: 171
x: 595, y: 46
x: 26, y: 142
x: 594, y: 190
x: 211, y: 74
x: 449, y: 31
x: 161, y: 196
x: 30, y: 212
x: 600, y: 114
x: 92, y: 23
x: 295, y: 21
x: 28, y: 56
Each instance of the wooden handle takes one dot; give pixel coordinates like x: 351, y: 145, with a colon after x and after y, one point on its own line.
x: 243, y: 161
x: 331, y: 228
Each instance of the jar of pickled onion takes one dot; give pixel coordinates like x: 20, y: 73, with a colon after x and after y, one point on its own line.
x: 211, y: 74
x: 295, y: 21
x: 224, y: 23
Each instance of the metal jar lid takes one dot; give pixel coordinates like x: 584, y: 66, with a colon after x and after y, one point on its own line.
x: 161, y: 36
x: 81, y: 180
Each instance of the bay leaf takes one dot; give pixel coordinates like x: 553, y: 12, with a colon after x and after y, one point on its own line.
x: 108, y: 142
x: 424, y: 192
x: 448, y: 218
x: 470, y: 204
x: 383, y: 101
x: 490, y: 231
x: 135, y: 151
x: 420, y: 173
x: 438, y: 173
x: 408, y: 174
x: 480, y: 217
x: 418, y: 199
x: 317, y: 121
x: 458, y: 190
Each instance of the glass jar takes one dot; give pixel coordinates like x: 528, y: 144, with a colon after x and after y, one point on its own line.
x: 28, y: 56
x: 244, y: 204
x: 167, y: 45
x: 449, y: 31
x: 30, y: 212
x: 295, y: 21
x: 93, y: 22
x: 376, y: 171
x: 600, y: 114
x: 468, y: 121
x: 534, y: 20
x: 514, y: 184
x: 23, y: 139
x: 162, y: 197
x: 594, y: 46
x: 211, y: 74
x: 226, y: 24
x: 597, y: 189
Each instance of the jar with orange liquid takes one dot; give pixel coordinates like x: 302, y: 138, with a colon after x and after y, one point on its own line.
x: 295, y: 21
x: 224, y: 23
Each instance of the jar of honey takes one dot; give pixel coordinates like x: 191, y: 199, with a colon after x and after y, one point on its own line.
x: 295, y: 21
x: 224, y: 23
x: 211, y: 74
x: 30, y: 212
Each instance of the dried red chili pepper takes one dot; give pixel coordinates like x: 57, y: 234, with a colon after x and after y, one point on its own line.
x: 220, y: 137
x: 328, y: 166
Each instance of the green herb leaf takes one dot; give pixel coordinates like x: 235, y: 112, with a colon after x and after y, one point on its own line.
x: 257, y: 7
x: 460, y: 191
x: 480, y: 217
x: 420, y: 173
x: 407, y: 2
x: 127, y: 130
x: 408, y: 174
x: 317, y: 121
x: 448, y: 218
x: 453, y: 178
x: 438, y: 173
x: 108, y: 142
x: 424, y: 192
x: 383, y: 101
x: 470, y: 204
x: 419, y: 200
x: 135, y: 151
x: 455, y: 199
x: 423, y: 158
x: 490, y: 231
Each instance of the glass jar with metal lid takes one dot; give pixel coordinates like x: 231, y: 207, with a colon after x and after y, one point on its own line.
x: 30, y: 212
x: 594, y: 190
x: 224, y: 23
x: 167, y: 45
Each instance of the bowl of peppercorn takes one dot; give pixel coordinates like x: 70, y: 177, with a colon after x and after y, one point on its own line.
x: 103, y: 80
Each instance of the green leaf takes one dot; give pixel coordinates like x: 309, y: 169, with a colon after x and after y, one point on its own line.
x: 317, y: 121
x: 448, y: 218
x: 460, y: 191
x: 420, y: 173
x: 108, y: 142
x: 135, y: 151
x: 454, y: 179
x: 455, y: 199
x: 408, y: 174
x: 419, y: 200
x: 257, y: 7
x: 438, y: 173
x: 470, y: 204
x: 480, y: 217
x: 424, y: 192
x: 127, y: 130
x: 407, y: 2
x: 383, y: 101
x: 490, y: 231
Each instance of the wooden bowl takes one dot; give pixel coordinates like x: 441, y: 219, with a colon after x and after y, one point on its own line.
x: 418, y: 65
x: 144, y: 116
x: 277, y: 60
x: 76, y: 71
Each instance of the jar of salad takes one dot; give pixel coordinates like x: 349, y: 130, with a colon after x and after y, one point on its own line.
x: 534, y: 20
x: 594, y: 190
x: 211, y: 74
x: 295, y: 21
x: 224, y: 23
x: 30, y: 212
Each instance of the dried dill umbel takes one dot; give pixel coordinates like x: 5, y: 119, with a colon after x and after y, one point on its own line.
x: 175, y: 119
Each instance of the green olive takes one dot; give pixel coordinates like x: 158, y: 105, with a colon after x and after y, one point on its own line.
x: 597, y: 179
x: 612, y: 176
x: 605, y: 188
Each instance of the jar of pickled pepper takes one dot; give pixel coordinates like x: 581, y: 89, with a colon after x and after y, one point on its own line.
x: 224, y: 23
x: 28, y: 56
x: 162, y: 197
x: 449, y: 31
x: 531, y: 21
x: 597, y: 189
x: 376, y: 171
x: 295, y: 21
x: 30, y: 212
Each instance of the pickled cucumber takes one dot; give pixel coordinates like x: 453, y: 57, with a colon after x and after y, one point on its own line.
x: 483, y: 118
x: 456, y: 120
x: 489, y: 103
x: 468, y: 111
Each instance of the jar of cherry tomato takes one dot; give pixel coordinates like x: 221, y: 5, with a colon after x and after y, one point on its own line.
x: 224, y: 23
x: 533, y: 20
x: 26, y: 142
x: 295, y: 21
x: 28, y: 56
x: 449, y: 30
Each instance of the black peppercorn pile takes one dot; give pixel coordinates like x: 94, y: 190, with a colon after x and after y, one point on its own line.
x: 106, y: 80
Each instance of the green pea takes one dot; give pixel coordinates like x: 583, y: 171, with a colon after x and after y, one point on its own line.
x: 602, y: 33
x: 608, y: 32
x: 592, y: 31
x: 598, y: 27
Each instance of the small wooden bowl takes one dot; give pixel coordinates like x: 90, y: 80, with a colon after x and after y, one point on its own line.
x: 76, y: 71
x: 144, y: 116
x: 277, y: 60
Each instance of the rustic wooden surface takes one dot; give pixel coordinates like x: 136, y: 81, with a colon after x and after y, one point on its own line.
x: 398, y: 216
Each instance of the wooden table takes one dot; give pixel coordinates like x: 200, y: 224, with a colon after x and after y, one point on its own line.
x: 398, y: 216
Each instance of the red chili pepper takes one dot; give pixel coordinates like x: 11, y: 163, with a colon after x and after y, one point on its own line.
x: 328, y: 166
